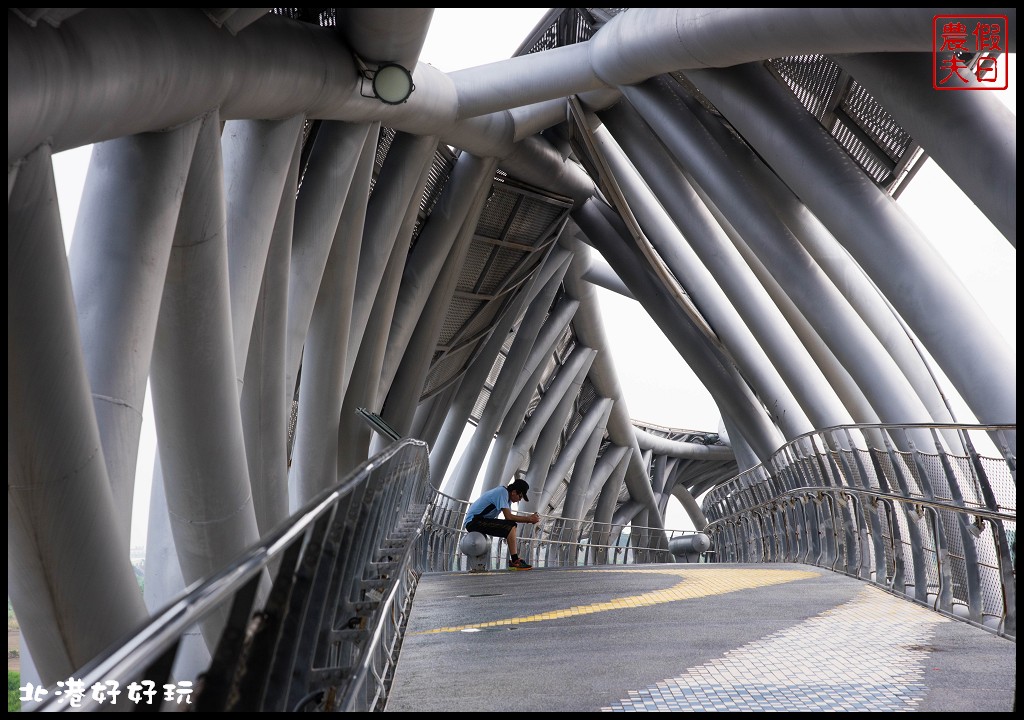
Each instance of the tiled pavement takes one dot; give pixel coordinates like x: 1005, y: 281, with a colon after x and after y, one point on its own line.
x: 690, y: 638
x: 865, y: 655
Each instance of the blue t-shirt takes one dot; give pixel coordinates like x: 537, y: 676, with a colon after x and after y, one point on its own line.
x: 489, y: 504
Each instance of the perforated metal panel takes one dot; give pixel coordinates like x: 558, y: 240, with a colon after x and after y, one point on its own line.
x: 812, y: 78
x: 460, y: 311
x: 532, y: 223
x: 445, y: 369
x: 493, y: 271
x: 876, y: 121
x: 858, y: 122
x: 496, y: 214
x: 482, y: 320
x: 499, y: 269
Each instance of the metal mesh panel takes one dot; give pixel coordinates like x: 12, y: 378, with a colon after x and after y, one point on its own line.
x: 588, y: 394
x: 876, y: 142
x: 876, y: 121
x: 571, y: 26
x: 446, y: 369
x: 812, y: 78
x: 867, y: 465
x: 534, y: 218
x: 905, y: 549
x: 566, y: 343
x: 967, y: 481
x: 496, y: 213
x: 504, y: 261
x: 885, y: 521
x: 886, y: 462
x: 936, y: 476
x: 460, y: 310
x: 483, y: 319
x: 928, y: 546
x: 437, y: 178
x: 991, y: 583
x: 955, y: 556
x: 480, y: 405
x: 583, y: 402
x: 1002, y: 482
x: 499, y: 363
x: 547, y: 41
x: 532, y: 405
x: 525, y: 269
x: 511, y: 338
x: 485, y: 392
x: 868, y: 161
x: 385, y: 139
x: 474, y: 265
x: 324, y: 17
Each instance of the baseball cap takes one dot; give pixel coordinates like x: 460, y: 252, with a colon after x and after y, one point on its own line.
x: 522, y: 487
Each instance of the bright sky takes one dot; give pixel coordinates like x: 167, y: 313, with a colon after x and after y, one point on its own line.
x: 658, y: 385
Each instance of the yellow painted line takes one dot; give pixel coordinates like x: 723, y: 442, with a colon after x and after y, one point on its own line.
x: 694, y: 584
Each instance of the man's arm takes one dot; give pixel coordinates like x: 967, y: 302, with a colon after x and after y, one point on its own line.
x: 531, y: 518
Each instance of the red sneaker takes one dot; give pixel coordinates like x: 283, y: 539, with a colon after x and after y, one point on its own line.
x: 519, y: 564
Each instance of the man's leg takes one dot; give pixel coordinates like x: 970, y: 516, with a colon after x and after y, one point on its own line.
x: 496, y: 527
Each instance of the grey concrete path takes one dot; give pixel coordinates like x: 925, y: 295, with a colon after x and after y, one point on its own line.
x: 689, y: 637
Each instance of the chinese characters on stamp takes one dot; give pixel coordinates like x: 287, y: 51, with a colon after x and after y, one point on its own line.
x: 969, y: 52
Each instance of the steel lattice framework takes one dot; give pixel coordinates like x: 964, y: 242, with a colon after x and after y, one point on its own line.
x: 272, y: 249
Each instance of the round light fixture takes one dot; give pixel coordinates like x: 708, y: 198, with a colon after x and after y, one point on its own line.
x: 392, y: 84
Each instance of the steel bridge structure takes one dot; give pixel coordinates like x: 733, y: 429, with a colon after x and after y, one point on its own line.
x: 323, y: 285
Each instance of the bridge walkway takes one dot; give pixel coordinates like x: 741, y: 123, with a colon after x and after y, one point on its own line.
x: 689, y: 637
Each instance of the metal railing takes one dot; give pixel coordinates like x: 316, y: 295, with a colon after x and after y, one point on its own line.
x: 553, y: 542
x: 323, y: 634
x: 937, y: 527
x: 313, y: 616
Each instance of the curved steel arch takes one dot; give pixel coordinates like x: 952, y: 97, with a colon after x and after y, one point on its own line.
x: 241, y: 173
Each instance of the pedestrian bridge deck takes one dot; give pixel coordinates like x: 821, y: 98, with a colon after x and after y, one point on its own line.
x: 698, y: 637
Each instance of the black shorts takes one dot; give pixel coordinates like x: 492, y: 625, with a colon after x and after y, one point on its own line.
x: 495, y: 527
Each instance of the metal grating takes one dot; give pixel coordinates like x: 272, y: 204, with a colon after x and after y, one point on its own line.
x: 525, y: 269
x: 479, y: 406
x: 483, y: 319
x: 565, y: 344
x: 446, y: 369
x: 812, y: 78
x: 861, y: 153
x: 858, y: 122
x: 474, y: 265
x: 876, y: 122
x: 496, y: 213
x: 324, y: 17
x: 384, y: 141
x: 499, y: 363
x: 531, y: 224
x: 588, y: 396
x: 437, y: 178
x: 460, y: 310
x: 570, y: 26
x: 504, y: 261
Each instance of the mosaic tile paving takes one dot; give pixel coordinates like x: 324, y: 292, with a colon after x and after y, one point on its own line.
x: 864, y: 655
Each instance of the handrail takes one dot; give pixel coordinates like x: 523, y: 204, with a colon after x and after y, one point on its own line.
x: 867, y: 501
x: 553, y: 542
x: 810, y: 489
x: 379, y: 506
